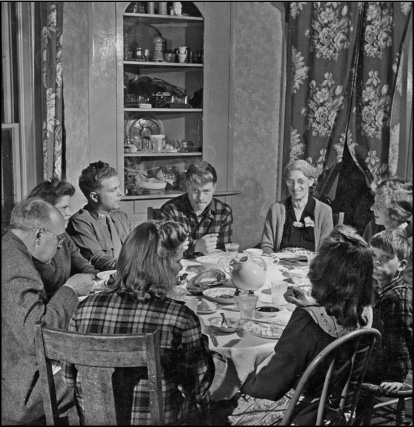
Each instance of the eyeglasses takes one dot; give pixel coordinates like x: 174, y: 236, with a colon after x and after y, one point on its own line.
x: 291, y: 182
x: 60, y: 239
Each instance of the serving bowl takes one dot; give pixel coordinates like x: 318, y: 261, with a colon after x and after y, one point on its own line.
x: 217, y: 260
x: 267, y: 310
x: 233, y: 323
x: 220, y: 294
x: 153, y: 184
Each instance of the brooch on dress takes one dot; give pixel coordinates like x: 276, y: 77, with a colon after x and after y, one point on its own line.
x: 308, y: 223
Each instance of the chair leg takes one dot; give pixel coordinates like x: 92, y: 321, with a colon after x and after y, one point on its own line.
x: 400, y: 416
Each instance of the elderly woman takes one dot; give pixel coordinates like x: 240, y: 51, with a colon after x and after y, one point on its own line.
x: 300, y: 220
x: 393, y: 207
x: 68, y: 260
x: 139, y: 301
x: 341, y: 302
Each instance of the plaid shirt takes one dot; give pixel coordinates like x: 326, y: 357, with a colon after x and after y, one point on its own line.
x: 188, y: 367
x: 394, y: 307
x: 216, y: 218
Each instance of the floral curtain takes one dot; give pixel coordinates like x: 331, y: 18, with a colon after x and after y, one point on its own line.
x: 51, y: 20
x: 346, y: 57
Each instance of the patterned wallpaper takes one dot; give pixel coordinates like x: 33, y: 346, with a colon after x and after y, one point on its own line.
x: 257, y: 125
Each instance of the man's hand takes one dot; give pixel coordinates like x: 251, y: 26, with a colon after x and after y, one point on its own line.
x: 206, y: 244
x: 81, y: 283
x: 299, y: 297
x: 388, y: 386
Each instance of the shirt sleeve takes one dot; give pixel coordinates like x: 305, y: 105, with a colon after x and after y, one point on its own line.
x: 79, y: 264
x: 226, y: 229
x: 97, y: 251
x: 397, y: 339
x: 269, y: 230
x: 295, y: 349
x: 194, y: 362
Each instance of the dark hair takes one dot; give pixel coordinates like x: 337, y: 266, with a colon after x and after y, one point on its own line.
x: 201, y: 173
x: 396, y: 195
x: 341, y: 276
x: 146, y: 265
x: 342, y: 230
x: 31, y: 213
x: 393, y: 242
x: 52, y: 190
x: 90, y: 179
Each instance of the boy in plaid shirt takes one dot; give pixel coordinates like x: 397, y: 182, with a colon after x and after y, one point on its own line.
x: 394, y: 307
x: 207, y: 220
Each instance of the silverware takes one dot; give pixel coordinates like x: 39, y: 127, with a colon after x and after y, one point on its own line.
x: 213, y: 337
x: 224, y: 321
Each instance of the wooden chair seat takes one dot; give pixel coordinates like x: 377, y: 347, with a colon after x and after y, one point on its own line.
x: 95, y: 357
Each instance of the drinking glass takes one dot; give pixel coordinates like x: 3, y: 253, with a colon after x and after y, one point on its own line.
x: 247, y: 305
x: 232, y: 249
x: 278, y: 288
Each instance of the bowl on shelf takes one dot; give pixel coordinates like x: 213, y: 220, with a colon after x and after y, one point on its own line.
x: 153, y: 184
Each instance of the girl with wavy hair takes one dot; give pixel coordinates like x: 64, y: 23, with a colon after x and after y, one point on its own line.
x: 138, y: 301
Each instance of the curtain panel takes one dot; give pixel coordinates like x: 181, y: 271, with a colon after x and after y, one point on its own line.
x: 51, y: 20
x: 346, y: 87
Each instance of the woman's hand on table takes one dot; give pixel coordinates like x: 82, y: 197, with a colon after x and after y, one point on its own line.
x: 82, y: 284
x: 298, y: 297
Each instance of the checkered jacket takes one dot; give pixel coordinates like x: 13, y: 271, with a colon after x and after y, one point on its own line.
x: 217, y: 218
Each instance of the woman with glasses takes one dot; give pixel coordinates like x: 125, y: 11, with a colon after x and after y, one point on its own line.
x: 68, y: 260
x: 300, y: 221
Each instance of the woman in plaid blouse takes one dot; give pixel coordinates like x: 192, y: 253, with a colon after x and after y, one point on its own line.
x: 138, y: 301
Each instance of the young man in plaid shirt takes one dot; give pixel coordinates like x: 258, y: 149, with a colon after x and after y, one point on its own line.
x: 208, y: 220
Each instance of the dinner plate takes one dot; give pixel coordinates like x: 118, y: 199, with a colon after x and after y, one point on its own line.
x: 271, y: 332
x: 212, y: 310
x: 220, y: 295
x: 145, y: 127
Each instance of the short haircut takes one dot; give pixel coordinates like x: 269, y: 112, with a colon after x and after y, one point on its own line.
x: 303, y: 166
x: 146, y: 265
x: 31, y: 213
x: 201, y: 173
x: 394, y: 242
x: 52, y: 190
x: 91, y: 177
x: 341, y: 277
x: 396, y: 195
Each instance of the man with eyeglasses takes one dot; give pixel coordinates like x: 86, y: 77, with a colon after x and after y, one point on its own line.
x: 37, y: 229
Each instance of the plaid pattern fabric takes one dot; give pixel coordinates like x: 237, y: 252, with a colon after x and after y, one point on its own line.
x: 217, y: 218
x: 186, y: 360
x: 395, y: 309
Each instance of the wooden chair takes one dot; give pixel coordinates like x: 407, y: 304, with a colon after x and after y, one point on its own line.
x: 153, y: 213
x: 397, y: 398
x: 342, y: 380
x: 96, y: 357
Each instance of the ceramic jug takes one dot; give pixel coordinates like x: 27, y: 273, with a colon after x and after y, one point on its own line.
x: 247, y: 274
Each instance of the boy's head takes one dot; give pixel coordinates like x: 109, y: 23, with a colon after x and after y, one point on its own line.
x: 390, y: 251
x: 201, y: 180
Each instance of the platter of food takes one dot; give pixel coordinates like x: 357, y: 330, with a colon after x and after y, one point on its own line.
x: 263, y: 330
x: 220, y: 295
x: 205, y: 280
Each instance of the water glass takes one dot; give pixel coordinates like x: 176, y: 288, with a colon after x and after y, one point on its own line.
x: 232, y: 249
x: 278, y: 288
x: 247, y: 305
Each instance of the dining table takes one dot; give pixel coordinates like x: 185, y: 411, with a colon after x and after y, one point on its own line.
x: 238, y: 353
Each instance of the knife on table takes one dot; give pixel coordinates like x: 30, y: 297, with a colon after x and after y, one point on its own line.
x: 213, y: 337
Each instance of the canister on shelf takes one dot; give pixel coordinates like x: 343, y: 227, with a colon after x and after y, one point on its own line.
x: 150, y: 7
x: 158, y: 43
x: 162, y: 8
